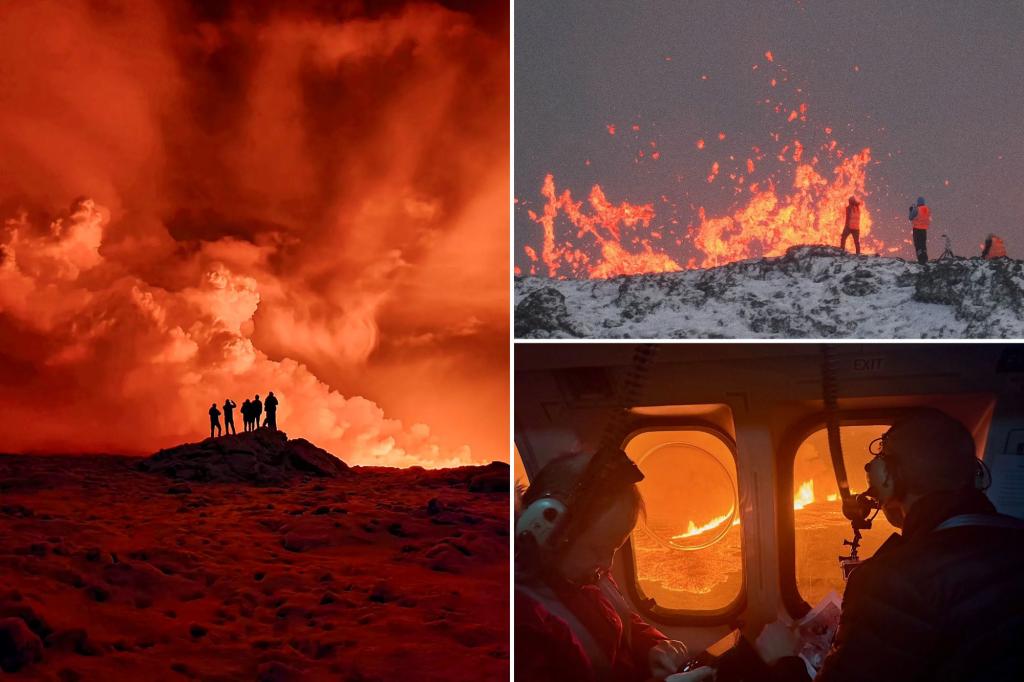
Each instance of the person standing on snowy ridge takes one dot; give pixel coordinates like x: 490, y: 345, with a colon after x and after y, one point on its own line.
x: 920, y: 219
x: 852, y: 225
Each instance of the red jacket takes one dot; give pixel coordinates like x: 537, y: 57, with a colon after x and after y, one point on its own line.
x: 923, y: 218
x: 548, y: 650
x: 853, y: 217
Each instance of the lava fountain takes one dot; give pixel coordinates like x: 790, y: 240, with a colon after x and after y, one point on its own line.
x: 794, y: 194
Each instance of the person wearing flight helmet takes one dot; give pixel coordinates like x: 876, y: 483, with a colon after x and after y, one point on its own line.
x: 941, y: 600
x: 571, y: 621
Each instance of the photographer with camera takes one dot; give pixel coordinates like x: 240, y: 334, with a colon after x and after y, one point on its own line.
x: 942, y: 600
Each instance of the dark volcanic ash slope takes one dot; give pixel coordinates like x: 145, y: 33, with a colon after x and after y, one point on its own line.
x: 109, y: 572
x: 811, y: 292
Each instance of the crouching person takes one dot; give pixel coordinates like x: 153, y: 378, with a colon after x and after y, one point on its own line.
x: 571, y: 621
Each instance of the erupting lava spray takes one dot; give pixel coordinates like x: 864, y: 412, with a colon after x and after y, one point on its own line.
x: 801, y: 200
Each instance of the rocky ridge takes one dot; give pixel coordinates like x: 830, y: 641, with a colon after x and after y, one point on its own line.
x: 810, y: 292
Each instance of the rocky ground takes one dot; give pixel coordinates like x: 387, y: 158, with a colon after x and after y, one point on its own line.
x: 199, y: 564
x: 811, y: 292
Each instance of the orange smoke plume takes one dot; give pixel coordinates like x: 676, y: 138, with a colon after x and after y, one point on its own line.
x: 282, y: 197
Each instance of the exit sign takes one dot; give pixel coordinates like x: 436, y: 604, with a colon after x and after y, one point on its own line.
x: 867, y: 364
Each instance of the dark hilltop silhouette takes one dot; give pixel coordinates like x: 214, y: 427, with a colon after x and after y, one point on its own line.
x: 263, y: 456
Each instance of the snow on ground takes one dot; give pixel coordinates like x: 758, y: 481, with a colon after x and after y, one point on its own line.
x: 811, y: 292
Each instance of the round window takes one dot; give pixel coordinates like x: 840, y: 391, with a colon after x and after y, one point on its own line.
x: 689, y: 494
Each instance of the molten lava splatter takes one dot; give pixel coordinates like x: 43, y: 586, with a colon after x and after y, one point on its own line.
x: 767, y: 224
x: 804, y: 495
x: 693, y: 530
x: 607, y: 226
x: 802, y: 201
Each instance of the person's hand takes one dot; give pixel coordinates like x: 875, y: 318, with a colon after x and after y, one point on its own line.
x: 696, y: 675
x: 666, y: 657
x: 776, y: 641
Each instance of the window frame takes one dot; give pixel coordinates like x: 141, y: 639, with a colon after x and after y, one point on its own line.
x: 647, y: 606
x: 786, y: 521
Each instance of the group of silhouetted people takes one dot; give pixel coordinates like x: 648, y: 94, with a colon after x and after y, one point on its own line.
x: 251, y: 410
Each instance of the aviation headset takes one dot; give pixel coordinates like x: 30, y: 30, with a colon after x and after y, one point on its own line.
x: 552, y: 520
x: 893, y: 467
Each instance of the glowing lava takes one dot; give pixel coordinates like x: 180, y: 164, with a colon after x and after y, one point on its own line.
x: 804, y: 495
x: 801, y: 201
x: 607, y: 226
x: 694, y: 530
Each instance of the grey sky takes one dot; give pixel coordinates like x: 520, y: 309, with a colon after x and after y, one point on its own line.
x: 937, y: 94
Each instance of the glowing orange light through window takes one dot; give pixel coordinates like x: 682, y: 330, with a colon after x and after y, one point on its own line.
x: 820, y: 526
x: 687, y: 550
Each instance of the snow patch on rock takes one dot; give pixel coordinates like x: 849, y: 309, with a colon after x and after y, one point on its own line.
x: 810, y: 292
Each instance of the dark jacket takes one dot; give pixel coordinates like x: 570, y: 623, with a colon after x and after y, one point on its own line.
x: 548, y: 650
x: 935, y: 605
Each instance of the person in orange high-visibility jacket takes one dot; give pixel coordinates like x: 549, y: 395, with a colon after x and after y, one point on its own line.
x: 994, y: 248
x: 920, y: 219
x: 852, y: 226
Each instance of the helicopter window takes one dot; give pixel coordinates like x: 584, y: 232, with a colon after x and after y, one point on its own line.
x: 819, y: 524
x: 687, y: 548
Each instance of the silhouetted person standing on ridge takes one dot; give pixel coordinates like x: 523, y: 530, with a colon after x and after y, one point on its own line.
x: 852, y: 226
x: 920, y: 219
x: 246, y: 410
x: 229, y: 416
x: 271, y: 405
x: 257, y: 411
x: 214, y: 419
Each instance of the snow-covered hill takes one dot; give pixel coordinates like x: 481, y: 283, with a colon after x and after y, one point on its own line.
x: 811, y: 292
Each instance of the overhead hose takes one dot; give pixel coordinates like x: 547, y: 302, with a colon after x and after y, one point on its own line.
x: 856, y: 508
x: 630, y: 394
x: 830, y: 391
x: 610, y: 468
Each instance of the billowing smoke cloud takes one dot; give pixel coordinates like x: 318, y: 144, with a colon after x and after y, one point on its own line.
x: 291, y: 199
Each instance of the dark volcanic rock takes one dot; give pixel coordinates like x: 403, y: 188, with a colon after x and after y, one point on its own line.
x: 75, y: 640
x: 988, y: 295
x: 275, y: 671
x: 19, y: 646
x: 809, y: 292
x: 261, y: 456
x: 313, y: 590
x: 493, y: 479
x: 544, y: 310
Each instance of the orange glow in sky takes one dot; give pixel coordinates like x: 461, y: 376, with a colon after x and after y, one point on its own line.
x: 200, y: 203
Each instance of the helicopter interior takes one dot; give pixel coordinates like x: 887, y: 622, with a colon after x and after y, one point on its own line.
x: 744, y: 519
